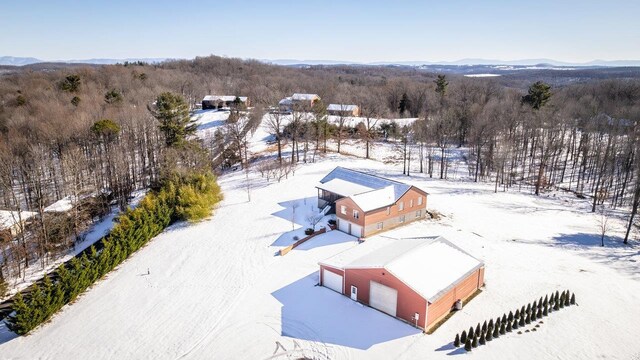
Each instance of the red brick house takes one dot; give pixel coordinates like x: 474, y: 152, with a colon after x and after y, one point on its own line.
x: 366, y: 204
x: 415, y: 280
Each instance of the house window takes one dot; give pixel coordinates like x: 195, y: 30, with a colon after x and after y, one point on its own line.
x: 418, y: 213
x: 356, y: 214
x: 379, y: 226
x: 411, y: 203
x: 401, y: 218
x: 388, y: 210
x: 419, y: 200
x: 401, y: 205
x: 343, y: 210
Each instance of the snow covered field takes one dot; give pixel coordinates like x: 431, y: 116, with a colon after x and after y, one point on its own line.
x: 217, y: 290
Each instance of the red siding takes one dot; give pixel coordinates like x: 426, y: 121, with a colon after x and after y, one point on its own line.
x: 462, y: 290
x: 409, y: 302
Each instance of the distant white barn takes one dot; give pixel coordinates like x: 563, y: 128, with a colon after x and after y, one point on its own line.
x: 343, y: 110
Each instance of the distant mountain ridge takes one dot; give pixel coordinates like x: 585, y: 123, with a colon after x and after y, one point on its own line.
x: 20, y: 61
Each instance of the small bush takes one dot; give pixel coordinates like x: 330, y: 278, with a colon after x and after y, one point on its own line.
x: 331, y: 222
x: 308, y: 231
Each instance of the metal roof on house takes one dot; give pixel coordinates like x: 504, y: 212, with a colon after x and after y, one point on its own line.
x: 344, y: 188
x: 304, y: 97
x: 430, y: 266
x: 371, y: 201
x: 224, y: 98
x: 342, y: 107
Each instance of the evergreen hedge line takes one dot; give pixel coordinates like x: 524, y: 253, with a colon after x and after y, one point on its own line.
x: 507, y: 323
x: 189, y: 197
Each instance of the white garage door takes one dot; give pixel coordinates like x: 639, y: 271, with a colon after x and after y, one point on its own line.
x: 343, y: 225
x: 383, y: 298
x: 332, y: 280
x: 356, y: 230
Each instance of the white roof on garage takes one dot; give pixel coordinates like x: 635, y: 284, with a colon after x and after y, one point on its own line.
x: 429, y: 266
x: 344, y: 188
x: 304, y: 97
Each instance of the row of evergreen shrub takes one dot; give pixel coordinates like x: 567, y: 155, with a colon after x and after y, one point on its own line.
x: 188, y: 197
x: 507, y: 323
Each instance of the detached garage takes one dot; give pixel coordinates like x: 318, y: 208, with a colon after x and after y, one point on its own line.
x: 415, y: 280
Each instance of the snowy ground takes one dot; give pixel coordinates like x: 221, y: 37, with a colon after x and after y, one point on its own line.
x: 217, y: 289
x: 96, y: 232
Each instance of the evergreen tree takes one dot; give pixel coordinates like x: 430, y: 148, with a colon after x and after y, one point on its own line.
x: 75, y: 101
x: 489, y: 336
x: 482, y: 340
x: 477, y: 329
x: 510, y: 317
x: 516, y: 323
x: 463, y: 336
x: 567, y: 301
x: 546, y: 300
x: 484, y: 326
x: 556, y: 297
x: 467, y: 345
x: 538, y: 95
x: 527, y: 319
x: 496, y: 332
x: 172, y: 111
x: 517, y: 314
x: 404, y: 104
x: 474, y: 343
x: 441, y: 85
x: 471, y: 332
x: 528, y: 309
x: 522, y: 322
x: 456, y: 341
x: 491, y: 323
x: 504, y: 319
x: 508, y: 326
x: 573, y: 299
x: 556, y: 305
x: 545, y: 311
x: 71, y: 83
x: 503, y: 328
x: 534, y: 306
x: 539, y: 313
x: 113, y: 97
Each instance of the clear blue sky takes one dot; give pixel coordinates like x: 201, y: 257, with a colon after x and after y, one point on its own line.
x: 341, y: 30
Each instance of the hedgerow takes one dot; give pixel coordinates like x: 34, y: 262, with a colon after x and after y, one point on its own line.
x: 188, y: 197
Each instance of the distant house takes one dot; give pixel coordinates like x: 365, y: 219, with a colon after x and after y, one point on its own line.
x: 12, y: 222
x: 222, y: 101
x: 415, y: 280
x: 366, y: 204
x: 303, y: 102
x: 343, y: 110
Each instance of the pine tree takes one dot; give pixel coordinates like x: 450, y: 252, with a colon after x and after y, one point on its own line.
x: 467, y: 345
x: 556, y: 297
x: 471, y: 332
x: 441, y: 85
x: 474, y: 343
x: 484, y: 326
x: 509, y: 326
x: 546, y: 300
x: 463, y: 336
x: 456, y: 341
x: 503, y: 328
x: 545, y: 312
x: 538, y: 95
x: 567, y: 301
x: 528, y: 309
x: 527, y: 319
x: 521, y: 323
x: 539, y: 313
x: 517, y: 314
x: 489, y: 336
x: 556, y: 305
x: 482, y: 339
x: 504, y: 319
x: 172, y: 111
x: 534, y: 306
x: 516, y: 324
x: 477, y: 329
x: 510, y: 317
x: 573, y: 299
x: 491, y: 324
x: 496, y: 332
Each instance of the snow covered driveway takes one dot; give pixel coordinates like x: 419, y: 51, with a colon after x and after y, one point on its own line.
x: 216, y: 289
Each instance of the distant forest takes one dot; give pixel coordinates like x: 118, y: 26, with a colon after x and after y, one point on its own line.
x: 543, y: 130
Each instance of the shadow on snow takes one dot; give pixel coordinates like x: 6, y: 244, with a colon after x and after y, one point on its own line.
x: 315, y: 313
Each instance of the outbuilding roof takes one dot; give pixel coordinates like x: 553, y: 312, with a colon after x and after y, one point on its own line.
x: 429, y: 266
x: 10, y: 218
x: 383, y: 192
x: 342, y: 107
x: 224, y: 98
x: 304, y: 97
x: 343, y: 187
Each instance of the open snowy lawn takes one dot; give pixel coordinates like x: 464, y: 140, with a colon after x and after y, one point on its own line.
x: 217, y: 290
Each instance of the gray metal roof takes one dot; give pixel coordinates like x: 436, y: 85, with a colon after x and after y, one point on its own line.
x: 368, y: 180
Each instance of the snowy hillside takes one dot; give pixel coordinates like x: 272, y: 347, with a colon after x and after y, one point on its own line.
x: 217, y: 289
